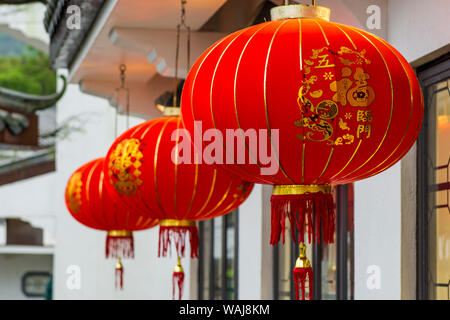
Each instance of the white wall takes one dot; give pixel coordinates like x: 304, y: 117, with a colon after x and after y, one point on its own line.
x: 250, y: 246
x: 377, y: 235
x: 416, y: 27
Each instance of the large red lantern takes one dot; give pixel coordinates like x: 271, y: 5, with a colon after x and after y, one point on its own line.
x: 91, y: 205
x: 345, y: 103
x: 333, y: 104
x: 143, y: 169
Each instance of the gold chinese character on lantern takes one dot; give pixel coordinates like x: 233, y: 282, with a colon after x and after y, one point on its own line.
x: 364, y: 116
x: 364, y: 129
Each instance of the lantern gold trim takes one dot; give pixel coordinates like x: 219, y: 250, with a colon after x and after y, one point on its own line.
x: 287, y: 189
x: 295, y: 11
x: 119, y: 233
x: 176, y: 223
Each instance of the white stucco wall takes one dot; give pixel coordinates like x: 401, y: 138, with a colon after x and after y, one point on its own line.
x: 250, y: 246
x: 377, y: 236
x: 416, y: 28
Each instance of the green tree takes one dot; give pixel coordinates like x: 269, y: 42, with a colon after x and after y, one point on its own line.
x: 28, y: 73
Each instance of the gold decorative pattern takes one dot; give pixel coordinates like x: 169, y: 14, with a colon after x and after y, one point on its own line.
x: 287, y: 189
x: 119, y: 233
x: 74, y: 192
x: 241, y: 190
x: 351, y: 88
x: 177, y: 223
x: 124, y: 164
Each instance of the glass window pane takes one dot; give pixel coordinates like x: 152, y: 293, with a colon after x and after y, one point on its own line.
x: 439, y: 189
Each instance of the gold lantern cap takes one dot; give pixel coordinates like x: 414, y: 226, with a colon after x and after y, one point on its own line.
x: 178, y: 267
x: 295, y: 11
x: 302, y: 260
x: 169, y: 111
x: 119, y: 263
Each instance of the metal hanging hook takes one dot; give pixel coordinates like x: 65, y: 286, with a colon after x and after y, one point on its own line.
x: 122, y: 76
x: 122, y: 69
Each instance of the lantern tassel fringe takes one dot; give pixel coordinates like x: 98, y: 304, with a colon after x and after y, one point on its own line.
x: 177, y: 234
x: 119, y: 246
x: 308, y: 210
x: 301, y: 275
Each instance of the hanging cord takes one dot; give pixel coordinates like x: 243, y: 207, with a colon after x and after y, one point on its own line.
x: 177, y: 52
x: 122, y: 69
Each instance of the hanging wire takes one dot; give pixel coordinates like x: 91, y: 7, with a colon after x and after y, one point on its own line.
x: 122, y: 69
x: 182, y: 24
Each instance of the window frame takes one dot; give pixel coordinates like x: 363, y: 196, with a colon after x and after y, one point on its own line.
x: 210, y: 257
x: 429, y: 74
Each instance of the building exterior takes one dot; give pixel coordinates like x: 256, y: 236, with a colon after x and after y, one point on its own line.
x: 392, y: 237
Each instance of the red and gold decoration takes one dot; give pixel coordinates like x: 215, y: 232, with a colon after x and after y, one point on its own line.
x: 338, y: 104
x: 303, y: 273
x: 144, y: 169
x: 91, y: 205
x: 178, y: 279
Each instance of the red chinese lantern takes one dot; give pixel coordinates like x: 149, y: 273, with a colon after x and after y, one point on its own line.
x: 91, y: 205
x: 144, y: 167
x: 332, y: 103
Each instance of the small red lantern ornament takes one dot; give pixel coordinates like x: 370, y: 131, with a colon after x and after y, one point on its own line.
x: 91, y: 205
x: 336, y: 104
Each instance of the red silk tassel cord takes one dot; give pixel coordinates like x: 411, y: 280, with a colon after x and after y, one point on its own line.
x: 310, y: 211
x: 177, y: 234
x: 178, y: 280
x: 301, y: 275
x: 119, y: 275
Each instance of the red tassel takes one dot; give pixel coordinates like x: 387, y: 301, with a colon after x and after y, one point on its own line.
x: 119, y: 246
x: 310, y: 209
x: 177, y: 234
x: 119, y: 275
x: 301, y: 275
x: 177, y: 281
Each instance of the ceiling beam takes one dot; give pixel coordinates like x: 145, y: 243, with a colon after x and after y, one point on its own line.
x: 160, y: 51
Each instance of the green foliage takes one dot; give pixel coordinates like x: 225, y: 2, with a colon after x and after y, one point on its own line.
x: 28, y: 73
